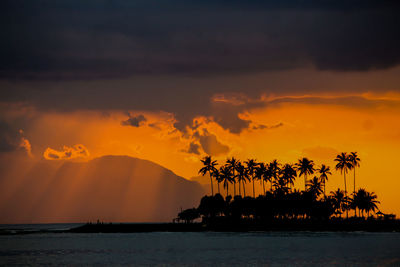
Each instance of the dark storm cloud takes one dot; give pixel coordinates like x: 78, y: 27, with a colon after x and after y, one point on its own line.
x: 78, y: 55
x: 9, y: 137
x: 194, y: 149
x: 134, y: 121
x: 262, y: 126
x: 112, y: 39
x: 357, y: 102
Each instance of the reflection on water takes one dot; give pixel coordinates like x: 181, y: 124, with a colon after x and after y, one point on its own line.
x: 208, y: 248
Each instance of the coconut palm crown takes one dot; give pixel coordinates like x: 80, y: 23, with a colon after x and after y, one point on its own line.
x: 209, y: 167
x: 305, y: 167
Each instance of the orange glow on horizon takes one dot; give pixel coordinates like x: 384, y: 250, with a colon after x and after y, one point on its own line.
x: 315, y: 130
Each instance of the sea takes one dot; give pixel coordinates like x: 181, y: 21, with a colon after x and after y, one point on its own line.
x: 27, y: 245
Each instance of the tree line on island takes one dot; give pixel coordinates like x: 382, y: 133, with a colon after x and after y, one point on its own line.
x: 279, y: 198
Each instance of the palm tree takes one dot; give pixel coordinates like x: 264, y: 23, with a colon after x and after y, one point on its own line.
x: 242, y: 177
x: 232, y: 164
x: 260, y: 174
x: 273, y: 171
x: 355, y: 162
x: 209, y: 167
x: 314, y: 187
x: 371, y: 202
x: 323, y: 174
x: 225, y: 174
x: 281, y: 187
x: 289, y: 174
x: 250, y: 166
x: 305, y: 167
x: 268, y: 174
x: 365, y: 201
x: 338, y: 200
x: 217, y: 177
x: 344, y: 165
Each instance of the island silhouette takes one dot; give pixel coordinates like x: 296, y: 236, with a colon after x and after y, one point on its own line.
x: 280, y: 206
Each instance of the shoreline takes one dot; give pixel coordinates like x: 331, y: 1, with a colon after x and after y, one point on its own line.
x: 274, y: 226
x: 340, y: 225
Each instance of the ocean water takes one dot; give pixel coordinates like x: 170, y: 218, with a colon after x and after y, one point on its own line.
x: 200, y: 249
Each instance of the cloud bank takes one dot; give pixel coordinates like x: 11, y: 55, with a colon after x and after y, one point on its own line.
x: 91, y: 40
x: 134, y: 121
x: 75, y: 152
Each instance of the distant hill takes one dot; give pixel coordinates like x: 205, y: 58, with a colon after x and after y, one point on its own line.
x: 110, y: 188
x: 204, y: 181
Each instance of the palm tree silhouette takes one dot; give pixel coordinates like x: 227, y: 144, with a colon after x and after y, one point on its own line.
x: 273, y: 171
x: 365, y: 201
x: 289, y: 174
x: 268, y: 176
x: 344, y: 165
x: 314, y: 187
x: 209, y: 167
x: 355, y: 162
x: 282, y: 202
x: 217, y: 177
x: 338, y: 200
x: 260, y: 174
x: 251, y: 167
x: 241, y: 176
x: 323, y: 174
x: 305, y: 167
x: 232, y: 164
x: 225, y: 174
x: 371, y: 202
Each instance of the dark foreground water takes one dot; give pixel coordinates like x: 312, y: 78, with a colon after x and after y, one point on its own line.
x: 202, y: 249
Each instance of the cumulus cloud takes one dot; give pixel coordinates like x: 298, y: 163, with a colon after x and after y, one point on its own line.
x: 25, y: 144
x: 193, y: 149
x: 75, y: 152
x: 134, y: 121
x: 11, y: 139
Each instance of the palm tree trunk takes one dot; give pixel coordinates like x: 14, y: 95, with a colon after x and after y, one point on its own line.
x: 254, y: 193
x: 234, y: 188
x: 263, y: 186
x: 345, y: 193
x: 212, y: 189
x: 354, y: 184
x: 227, y: 187
x: 240, y: 193
x: 244, y: 189
x: 218, y: 189
x: 324, y: 188
x: 354, y: 191
x: 305, y: 182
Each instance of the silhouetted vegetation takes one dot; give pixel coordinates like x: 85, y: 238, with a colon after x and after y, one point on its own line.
x: 282, y: 202
x: 280, y: 206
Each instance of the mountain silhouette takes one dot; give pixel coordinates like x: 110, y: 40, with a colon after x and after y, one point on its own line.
x: 109, y: 188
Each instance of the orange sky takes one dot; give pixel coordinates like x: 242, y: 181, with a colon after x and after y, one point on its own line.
x: 318, y: 128
x: 171, y: 82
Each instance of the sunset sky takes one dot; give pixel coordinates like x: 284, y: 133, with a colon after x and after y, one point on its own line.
x: 174, y: 81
